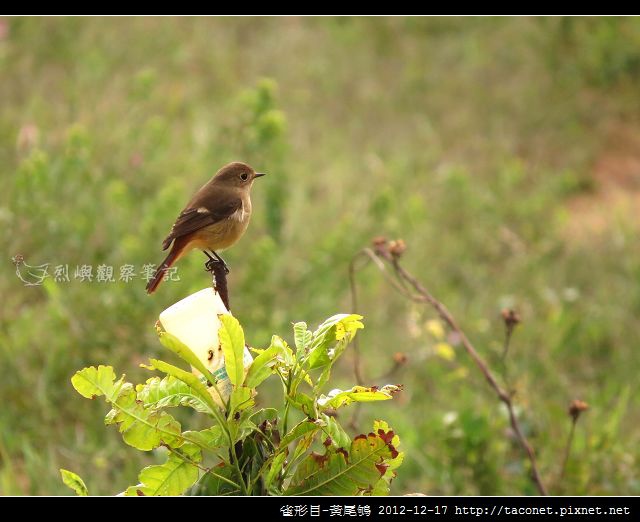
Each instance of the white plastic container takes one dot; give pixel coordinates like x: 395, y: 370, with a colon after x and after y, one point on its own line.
x: 194, y: 321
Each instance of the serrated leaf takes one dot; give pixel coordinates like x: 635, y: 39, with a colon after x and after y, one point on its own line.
x: 270, y: 414
x: 174, y: 344
x: 141, y: 428
x: 285, y: 353
x: 339, y: 472
x: 209, y: 439
x: 95, y: 382
x: 337, y: 398
x: 173, y: 477
x: 331, y: 338
x: 74, y: 482
x: 261, y: 367
x: 231, y: 339
x: 191, y: 380
x: 285, y: 360
x: 170, y: 392
x: 302, y: 336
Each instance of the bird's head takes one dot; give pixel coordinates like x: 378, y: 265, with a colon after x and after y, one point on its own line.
x: 236, y: 175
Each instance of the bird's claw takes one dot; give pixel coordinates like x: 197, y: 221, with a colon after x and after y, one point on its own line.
x: 212, y: 263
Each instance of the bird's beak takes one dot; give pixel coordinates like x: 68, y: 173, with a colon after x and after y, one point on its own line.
x: 260, y: 174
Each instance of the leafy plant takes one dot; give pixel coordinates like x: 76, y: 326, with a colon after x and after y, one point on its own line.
x: 249, y: 450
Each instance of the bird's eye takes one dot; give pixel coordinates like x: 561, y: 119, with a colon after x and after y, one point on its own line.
x: 244, y: 176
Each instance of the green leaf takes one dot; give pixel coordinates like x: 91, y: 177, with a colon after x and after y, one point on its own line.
x: 384, y: 426
x: 210, y: 439
x: 337, y: 398
x: 241, y: 399
x: 270, y: 414
x: 252, y: 458
x: 303, y: 445
x: 73, y: 481
x: 300, y: 429
x: 274, y: 469
x: 250, y: 420
x: 261, y: 367
x: 141, y: 428
x: 332, y: 428
x: 173, y: 477
x: 174, y: 344
x: 382, y: 487
x: 302, y: 336
x: 340, y: 329
x: 285, y: 360
x: 304, y: 403
x: 160, y: 393
x: 192, y: 381
x: 285, y: 353
x: 95, y: 382
x: 232, y: 341
x: 319, y: 352
x: 347, y: 325
x: 240, y: 428
x: 220, y: 480
x: 339, y: 472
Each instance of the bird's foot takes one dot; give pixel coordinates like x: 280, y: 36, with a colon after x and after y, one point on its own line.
x: 215, y: 261
x: 211, y: 265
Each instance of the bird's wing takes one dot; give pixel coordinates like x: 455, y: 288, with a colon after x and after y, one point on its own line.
x: 194, y: 218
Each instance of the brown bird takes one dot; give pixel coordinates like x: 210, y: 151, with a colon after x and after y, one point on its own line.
x: 214, y: 219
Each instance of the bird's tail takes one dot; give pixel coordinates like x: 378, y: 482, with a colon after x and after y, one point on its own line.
x: 174, y: 255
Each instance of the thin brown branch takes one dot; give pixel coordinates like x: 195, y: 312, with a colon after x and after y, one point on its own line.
x: 369, y: 256
x: 391, y: 258
x: 219, y: 281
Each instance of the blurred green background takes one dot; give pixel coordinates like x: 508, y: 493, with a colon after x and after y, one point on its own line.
x: 504, y: 151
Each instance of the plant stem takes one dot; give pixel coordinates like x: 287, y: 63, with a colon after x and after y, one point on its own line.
x: 285, y: 418
x: 236, y: 466
x: 422, y: 295
x: 567, y: 449
x: 507, y: 341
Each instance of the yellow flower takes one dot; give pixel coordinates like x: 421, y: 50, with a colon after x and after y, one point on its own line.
x: 435, y: 328
x: 445, y: 351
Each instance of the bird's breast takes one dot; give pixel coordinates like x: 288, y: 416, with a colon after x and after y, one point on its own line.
x: 224, y: 233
